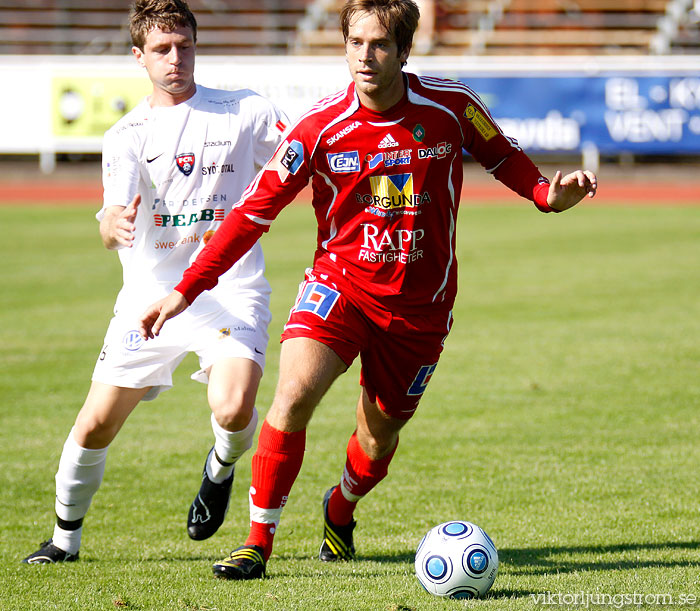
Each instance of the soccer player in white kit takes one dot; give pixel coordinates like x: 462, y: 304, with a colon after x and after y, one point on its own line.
x: 172, y: 168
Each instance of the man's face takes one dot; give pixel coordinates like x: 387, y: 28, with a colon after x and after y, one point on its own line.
x: 374, y: 61
x: 169, y: 60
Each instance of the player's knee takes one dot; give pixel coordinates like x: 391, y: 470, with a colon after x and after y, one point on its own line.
x: 293, y: 395
x: 233, y: 419
x: 233, y: 410
x: 292, y: 407
x: 377, y: 445
x: 92, y: 432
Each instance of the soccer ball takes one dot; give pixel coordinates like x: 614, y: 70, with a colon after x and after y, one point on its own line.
x: 456, y: 560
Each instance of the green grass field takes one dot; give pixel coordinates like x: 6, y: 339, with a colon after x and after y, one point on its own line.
x: 564, y: 419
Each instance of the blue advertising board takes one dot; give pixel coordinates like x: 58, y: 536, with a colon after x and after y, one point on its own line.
x: 616, y: 113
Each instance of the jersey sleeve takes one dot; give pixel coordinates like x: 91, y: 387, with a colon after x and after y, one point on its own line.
x: 269, y: 128
x: 120, y: 171
x: 275, y: 186
x: 501, y: 155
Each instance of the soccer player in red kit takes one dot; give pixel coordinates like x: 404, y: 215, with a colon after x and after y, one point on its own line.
x: 385, y: 161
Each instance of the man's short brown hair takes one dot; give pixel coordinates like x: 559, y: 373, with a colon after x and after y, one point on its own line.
x: 398, y: 17
x: 166, y: 15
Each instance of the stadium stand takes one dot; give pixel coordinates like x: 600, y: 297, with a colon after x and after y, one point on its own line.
x: 99, y: 27
x: 508, y: 27
x: 537, y: 27
x: 678, y: 30
x: 457, y: 27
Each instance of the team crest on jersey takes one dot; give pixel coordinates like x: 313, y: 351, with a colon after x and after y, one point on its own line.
x: 185, y: 163
x: 480, y: 122
x: 418, y: 133
x: 318, y: 299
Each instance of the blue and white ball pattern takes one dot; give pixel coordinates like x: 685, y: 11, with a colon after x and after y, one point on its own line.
x: 457, y: 560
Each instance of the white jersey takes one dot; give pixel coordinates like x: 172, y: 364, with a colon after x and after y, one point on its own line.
x: 190, y: 163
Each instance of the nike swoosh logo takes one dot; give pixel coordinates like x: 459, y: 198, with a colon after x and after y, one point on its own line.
x: 257, y: 351
x: 153, y: 158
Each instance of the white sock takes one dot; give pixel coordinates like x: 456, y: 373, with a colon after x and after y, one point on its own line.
x: 67, y: 540
x: 228, y: 448
x: 79, y: 476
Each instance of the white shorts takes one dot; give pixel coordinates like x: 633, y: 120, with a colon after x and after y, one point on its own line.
x: 206, y: 328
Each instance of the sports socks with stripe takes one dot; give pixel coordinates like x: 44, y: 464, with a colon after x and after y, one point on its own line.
x: 79, y: 475
x: 228, y: 448
x: 361, y: 474
x: 275, y: 467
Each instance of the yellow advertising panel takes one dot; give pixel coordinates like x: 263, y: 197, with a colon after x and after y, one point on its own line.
x: 86, y: 107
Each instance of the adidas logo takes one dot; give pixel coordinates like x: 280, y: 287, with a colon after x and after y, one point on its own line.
x: 387, y: 142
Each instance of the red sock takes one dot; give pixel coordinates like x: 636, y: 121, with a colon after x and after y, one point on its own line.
x: 360, y: 476
x: 276, y: 464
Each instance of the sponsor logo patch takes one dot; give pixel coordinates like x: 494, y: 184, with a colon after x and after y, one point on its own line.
x: 380, y: 245
x: 287, y: 160
x: 374, y: 160
x: 224, y: 168
x: 389, y: 158
x: 318, y: 299
x: 387, y: 142
x: 293, y: 156
x: 392, y: 158
x: 480, y: 122
x: 132, y: 340
x: 185, y: 220
x: 392, y: 191
x: 435, y: 152
x: 420, y: 382
x: 343, y: 132
x: 344, y: 163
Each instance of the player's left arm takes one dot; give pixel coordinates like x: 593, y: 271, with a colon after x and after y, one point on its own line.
x: 270, y: 124
x: 502, y: 157
x: 567, y: 191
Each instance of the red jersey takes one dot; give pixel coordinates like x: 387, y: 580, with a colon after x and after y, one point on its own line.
x: 386, y: 189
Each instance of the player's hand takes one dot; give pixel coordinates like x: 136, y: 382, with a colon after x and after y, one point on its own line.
x: 566, y: 192
x: 124, y: 224
x: 153, y: 319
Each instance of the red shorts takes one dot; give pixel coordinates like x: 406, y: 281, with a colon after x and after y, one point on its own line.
x: 398, y: 359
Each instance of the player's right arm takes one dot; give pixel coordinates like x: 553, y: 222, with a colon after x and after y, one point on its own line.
x: 121, y: 177
x: 118, y: 224
x: 275, y: 186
